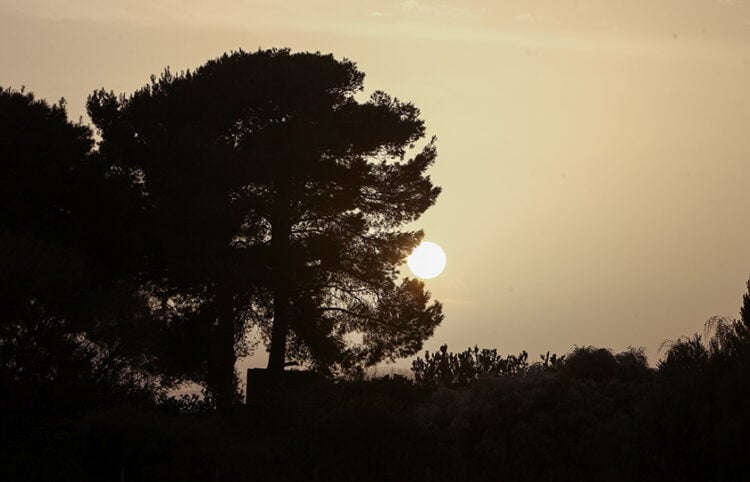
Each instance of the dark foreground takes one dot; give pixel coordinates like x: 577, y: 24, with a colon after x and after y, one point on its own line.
x: 593, y: 416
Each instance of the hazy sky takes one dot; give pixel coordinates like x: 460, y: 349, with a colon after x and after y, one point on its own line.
x: 594, y: 155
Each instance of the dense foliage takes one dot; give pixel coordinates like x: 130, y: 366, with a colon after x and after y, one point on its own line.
x: 443, y: 368
x: 595, y: 415
x: 276, y: 200
x: 75, y: 330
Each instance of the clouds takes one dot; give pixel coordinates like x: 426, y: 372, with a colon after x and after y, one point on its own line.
x: 538, y: 21
x: 137, y: 11
x: 184, y: 13
x: 442, y: 10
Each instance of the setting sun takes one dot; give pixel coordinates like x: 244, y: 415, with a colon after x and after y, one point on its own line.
x: 427, y: 260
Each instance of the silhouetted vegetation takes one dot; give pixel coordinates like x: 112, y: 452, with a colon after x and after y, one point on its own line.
x: 75, y: 330
x: 594, y: 415
x: 258, y: 193
x: 274, y: 200
x: 460, y: 369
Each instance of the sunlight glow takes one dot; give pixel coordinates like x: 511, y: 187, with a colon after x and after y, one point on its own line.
x: 427, y: 260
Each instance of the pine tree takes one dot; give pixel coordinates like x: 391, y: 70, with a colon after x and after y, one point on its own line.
x: 277, y: 200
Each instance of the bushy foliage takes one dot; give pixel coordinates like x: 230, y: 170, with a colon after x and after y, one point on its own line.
x: 75, y: 331
x: 330, y: 431
x: 600, y: 364
x: 625, y: 421
x: 448, y: 369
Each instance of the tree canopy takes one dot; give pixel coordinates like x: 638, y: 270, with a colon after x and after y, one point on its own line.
x: 277, y: 199
x: 73, y: 324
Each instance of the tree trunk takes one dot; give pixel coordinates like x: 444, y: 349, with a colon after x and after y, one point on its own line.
x: 222, y: 379
x: 280, y: 241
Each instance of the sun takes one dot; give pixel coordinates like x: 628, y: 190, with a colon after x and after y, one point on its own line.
x: 427, y: 260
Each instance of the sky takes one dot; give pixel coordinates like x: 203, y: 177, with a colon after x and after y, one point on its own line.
x: 594, y: 155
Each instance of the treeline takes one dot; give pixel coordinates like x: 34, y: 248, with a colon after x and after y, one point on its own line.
x: 590, y: 415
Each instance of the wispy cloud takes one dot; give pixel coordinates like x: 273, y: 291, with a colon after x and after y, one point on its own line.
x: 177, y: 13
x: 441, y: 10
x: 542, y: 26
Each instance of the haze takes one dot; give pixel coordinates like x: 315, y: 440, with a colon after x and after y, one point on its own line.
x: 594, y: 156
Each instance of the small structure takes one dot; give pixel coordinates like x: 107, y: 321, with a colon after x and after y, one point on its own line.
x: 260, y: 382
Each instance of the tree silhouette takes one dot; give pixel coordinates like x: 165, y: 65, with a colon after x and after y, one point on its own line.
x: 277, y: 200
x: 71, y: 321
x: 745, y: 309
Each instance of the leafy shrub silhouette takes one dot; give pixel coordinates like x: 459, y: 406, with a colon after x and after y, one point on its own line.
x: 448, y: 369
x: 601, y: 365
x: 550, y: 362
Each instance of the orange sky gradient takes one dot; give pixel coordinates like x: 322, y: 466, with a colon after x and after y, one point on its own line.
x: 594, y: 155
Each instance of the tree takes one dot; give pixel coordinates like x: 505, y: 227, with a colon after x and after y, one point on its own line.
x: 70, y: 319
x: 745, y: 309
x: 277, y: 200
